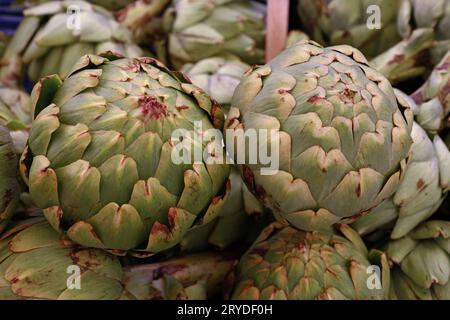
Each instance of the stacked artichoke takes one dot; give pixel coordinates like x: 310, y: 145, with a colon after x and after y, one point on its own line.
x: 54, y: 35
x: 202, y: 29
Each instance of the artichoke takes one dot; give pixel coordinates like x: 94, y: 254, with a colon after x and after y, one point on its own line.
x: 46, y: 42
x: 217, y: 76
x: 433, y: 98
x: 340, y: 135
x: 15, y: 114
x: 38, y: 263
x: 144, y: 19
x: 415, y: 14
x: 421, y: 263
x: 285, y: 263
x: 333, y: 22
x: 9, y: 186
x: 106, y: 165
x: 423, y: 187
x: 202, y: 29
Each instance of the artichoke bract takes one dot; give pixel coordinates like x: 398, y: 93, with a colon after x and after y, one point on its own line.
x: 38, y: 263
x: 202, y: 29
x: 285, y: 263
x: 218, y: 76
x: 433, y: 98
x: 421, y: 263
x: 239, y: 208
x: 333, y: 22
x: 54, y: 35
x: 336, y: 126
x: 9, y: 186
x: 104, y: 161
x: 15, y: 114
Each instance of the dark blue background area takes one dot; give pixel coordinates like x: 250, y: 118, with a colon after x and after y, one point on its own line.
x: 10, y: 18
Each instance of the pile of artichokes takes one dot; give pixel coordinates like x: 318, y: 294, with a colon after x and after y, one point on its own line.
x: 149, y: 150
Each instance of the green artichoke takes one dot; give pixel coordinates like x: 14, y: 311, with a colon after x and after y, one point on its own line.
x: 409, y: 58
x: 340, y: 135
x: 333, y: 22
x: 38, y: 263
x: 15, y: 114
x: 9, y: 186
x: 423, y: 187
x: 217, y: 76
x: 295, y: 36
x: 285, y: 263
x: 202, y: 29
x: 144, y: 19
x: 49, y: 41
x: 421, y: 263
x: 433, y: 98
x: 239, y: 208
x: 104, y: 160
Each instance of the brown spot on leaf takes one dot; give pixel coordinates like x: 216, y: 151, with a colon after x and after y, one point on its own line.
x: 314, y: 98
x: 420, y: 184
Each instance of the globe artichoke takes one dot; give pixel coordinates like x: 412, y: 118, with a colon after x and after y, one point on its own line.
x: 38, y: 263
x: 338, y: 134
x: 239, y: 208
x: 423, y: 187
x: 433, y: 98
x: 15, y: 114
x: 204, y: 28
x: 409, y: 58
x: 3, y: 42
x: 333, y: 22
x: 9, y: 187
x: 49, y: 40
x: 217, y: 76
x: 110, y: 150
x: 285, y: 263
x: 421, y: 263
